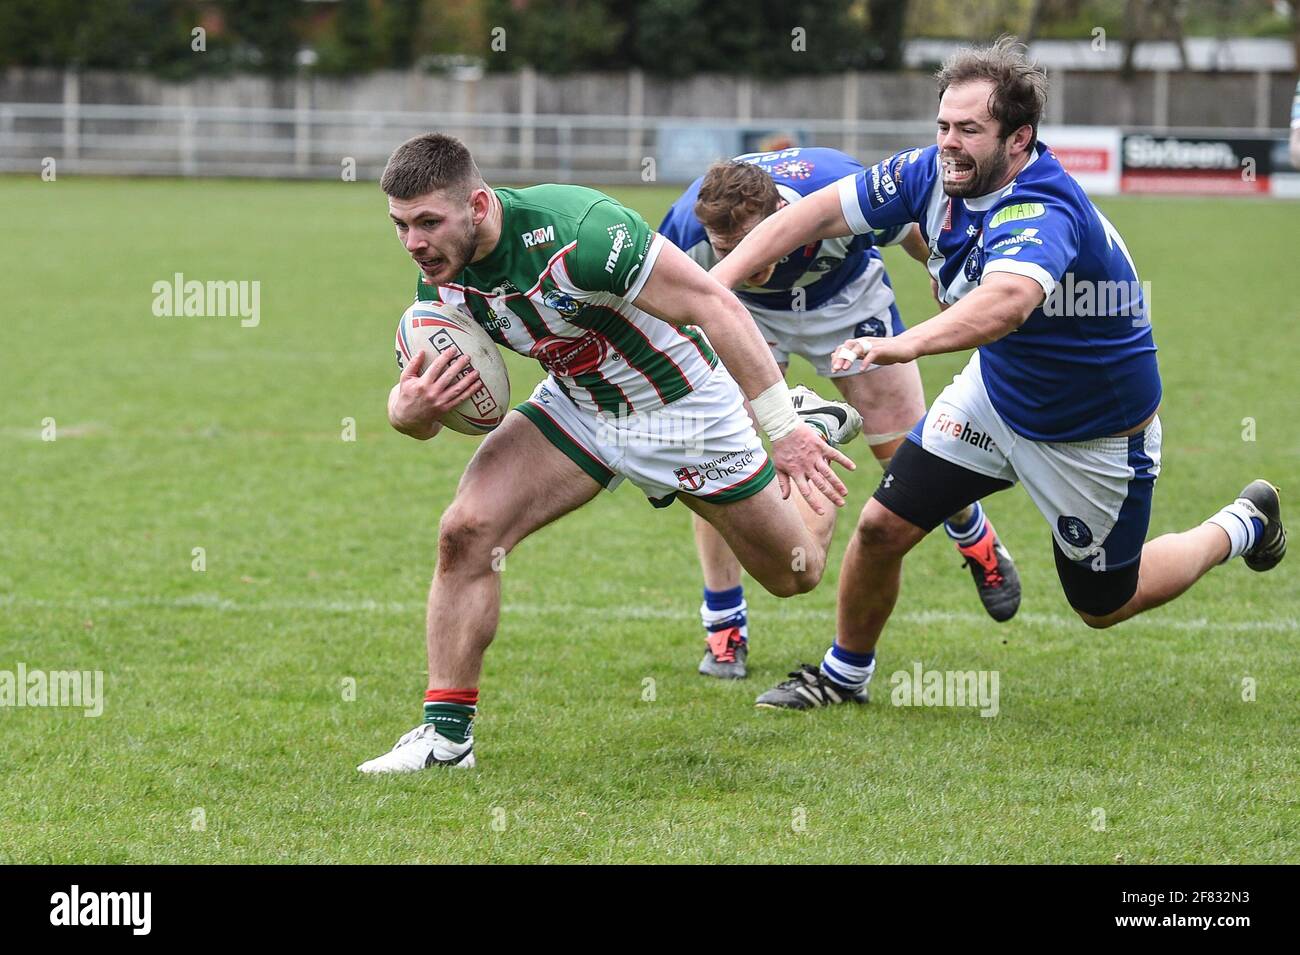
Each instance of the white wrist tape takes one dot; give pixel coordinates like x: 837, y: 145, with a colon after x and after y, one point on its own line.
x: 775, y: 412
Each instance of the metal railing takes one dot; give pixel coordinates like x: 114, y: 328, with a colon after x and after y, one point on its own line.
x: 308, y: 143
x: 305, y: 143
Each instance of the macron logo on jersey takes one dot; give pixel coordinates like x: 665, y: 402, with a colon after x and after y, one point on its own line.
x: 538, y: 236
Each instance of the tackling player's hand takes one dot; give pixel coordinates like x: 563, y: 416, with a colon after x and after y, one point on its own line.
x: 804, y: 457
x: 872, y: 351
x: 420, y: 398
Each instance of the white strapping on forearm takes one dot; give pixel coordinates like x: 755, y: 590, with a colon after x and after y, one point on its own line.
x: 775, y: 412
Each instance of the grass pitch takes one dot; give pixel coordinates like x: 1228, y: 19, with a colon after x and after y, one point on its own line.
x: 231, y: 729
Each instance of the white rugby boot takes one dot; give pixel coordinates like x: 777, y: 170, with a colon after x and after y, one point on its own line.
x: 837, y: 421
x: 422, y: 748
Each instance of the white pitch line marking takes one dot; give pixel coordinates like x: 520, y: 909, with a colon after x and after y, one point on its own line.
x: 215, y: 602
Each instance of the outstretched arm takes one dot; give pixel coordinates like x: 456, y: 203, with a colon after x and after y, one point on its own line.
x: 679, y: 292
x: 997, y: 308
x: 811, y: 219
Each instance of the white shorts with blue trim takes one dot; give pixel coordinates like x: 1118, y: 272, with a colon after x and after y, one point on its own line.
x: 1096, y: 495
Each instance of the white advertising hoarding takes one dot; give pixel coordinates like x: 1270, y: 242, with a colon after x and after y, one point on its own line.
x: 1089, y: 153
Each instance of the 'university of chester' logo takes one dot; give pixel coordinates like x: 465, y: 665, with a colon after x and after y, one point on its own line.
x: 1074, y: 530
x: 689, y: 479
x: 570, y: 357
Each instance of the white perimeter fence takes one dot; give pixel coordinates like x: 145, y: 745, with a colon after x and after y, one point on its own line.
x: 330, y: 144
x: 308, y: 143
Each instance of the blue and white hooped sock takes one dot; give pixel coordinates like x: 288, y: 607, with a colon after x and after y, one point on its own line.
x: 724, y: 609
x: 1243, y: 525
x: 851, y: 670
x: 969, y: 532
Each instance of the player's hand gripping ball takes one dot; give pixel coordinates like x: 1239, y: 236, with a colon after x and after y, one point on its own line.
x: 435, y: 327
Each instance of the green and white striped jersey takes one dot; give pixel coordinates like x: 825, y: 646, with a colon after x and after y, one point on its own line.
x: 559, y: 287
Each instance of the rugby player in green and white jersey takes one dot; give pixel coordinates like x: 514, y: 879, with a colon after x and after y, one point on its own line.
x: 626, y: 324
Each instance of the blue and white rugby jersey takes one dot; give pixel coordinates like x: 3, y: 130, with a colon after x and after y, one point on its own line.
x: 821, y: 269
x: 1083, y: 365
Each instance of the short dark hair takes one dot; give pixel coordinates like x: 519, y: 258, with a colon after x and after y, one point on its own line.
x: 428, y: 162
x: 732, y: 194
x: 1019, y: 86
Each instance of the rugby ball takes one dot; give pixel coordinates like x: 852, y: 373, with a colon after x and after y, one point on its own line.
x: 436, y: 327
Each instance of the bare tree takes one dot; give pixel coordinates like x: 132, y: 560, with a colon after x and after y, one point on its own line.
x: 1146, y: 20
x: 888, y: 21
x: 1035, y: 20
x: 1043, y: 12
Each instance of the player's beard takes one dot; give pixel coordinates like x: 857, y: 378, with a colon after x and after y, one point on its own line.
x: 987, y: 175
x: 463, y: 254
x: 454, y: 259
